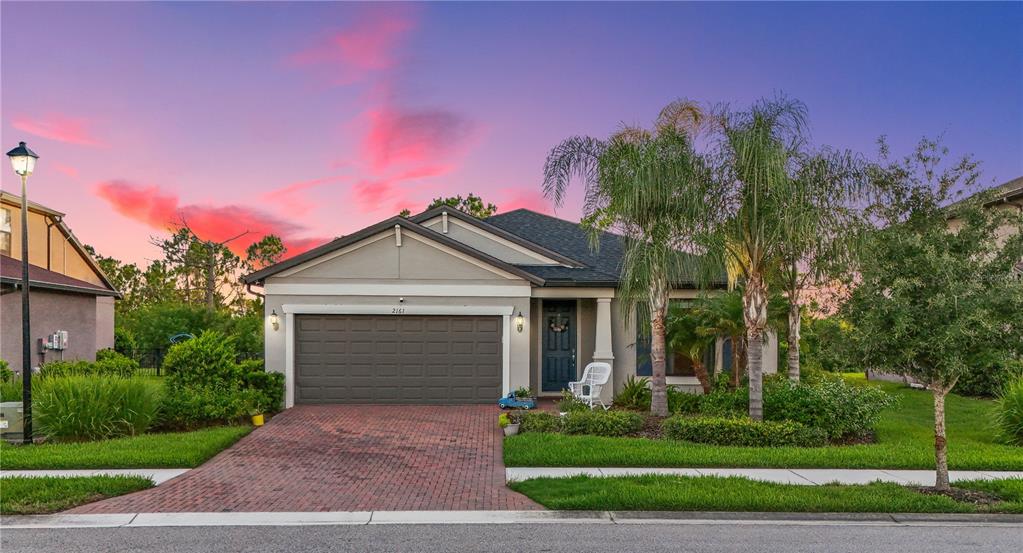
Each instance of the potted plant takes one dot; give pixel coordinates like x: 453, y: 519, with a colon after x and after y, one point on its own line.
x: 505, y: 422
x: 523, y: 393
x: 256, y: 413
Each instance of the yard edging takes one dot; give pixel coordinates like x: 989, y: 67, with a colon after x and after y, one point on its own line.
x: 158, y: 476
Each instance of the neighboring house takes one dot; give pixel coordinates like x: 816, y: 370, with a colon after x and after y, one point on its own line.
x: 69, y: 292
x: 442, y: 307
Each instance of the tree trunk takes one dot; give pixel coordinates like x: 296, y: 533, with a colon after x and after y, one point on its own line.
x: 211, y: 279
x: 940, y: 443
x: 658, y: 388
x: 738, y: 360
x: 701, y: 374
x: 755, y: 316
x: 795, y: 322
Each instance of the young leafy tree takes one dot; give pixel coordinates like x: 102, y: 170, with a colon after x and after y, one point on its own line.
x: 651, y: 187
x: 936, y: 284
x: 754, y: 163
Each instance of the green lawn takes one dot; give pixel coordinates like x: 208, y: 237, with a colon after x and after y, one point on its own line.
x: 30, y: 496
x: 904, y: 441
x: 711, y: 493
x: 159, y: 450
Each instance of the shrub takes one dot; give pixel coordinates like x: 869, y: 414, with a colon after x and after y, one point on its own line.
x: 602, y: 423
x: 113, y: 365
x: 723, y: 402
x: 742, y: 432
x: 206, y: 386
x: 74, y: 408
x: 6, y: 374
x: 208, y: 360
x: 1009, y: 413
x: 10, y: 390
x: 988, y: 378
x: 124, y: 341
x: 683, y: 403
x: 829, y: 403
x: 635, y: 394
x: 537, y: 421
x: 503, y: 421
x: 568, y: 403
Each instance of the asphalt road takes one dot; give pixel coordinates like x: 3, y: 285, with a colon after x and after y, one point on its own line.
x: 518, y: 538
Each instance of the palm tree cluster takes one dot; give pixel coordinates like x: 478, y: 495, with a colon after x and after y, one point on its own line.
x: 709, y: 197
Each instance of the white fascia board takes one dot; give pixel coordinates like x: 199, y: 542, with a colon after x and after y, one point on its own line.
x: 395, y: 309
x: 573, y: 292
x: 398, y: 289
x: 495, y: 238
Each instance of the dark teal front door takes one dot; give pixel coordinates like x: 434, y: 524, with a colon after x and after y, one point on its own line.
x: 559, y: 334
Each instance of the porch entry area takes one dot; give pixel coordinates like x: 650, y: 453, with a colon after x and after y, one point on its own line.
x: 558, y: 331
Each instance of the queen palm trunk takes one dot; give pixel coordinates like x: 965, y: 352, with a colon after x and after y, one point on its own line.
x: 795, y: 321
x: 658, y: 314
x: 738, y: 360
x: 702, y: 375
x: 755, y: 315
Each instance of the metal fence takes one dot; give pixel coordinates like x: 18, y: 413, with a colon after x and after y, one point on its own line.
x: 151, y: 361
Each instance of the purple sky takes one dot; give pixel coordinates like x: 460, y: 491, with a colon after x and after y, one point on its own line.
x: 313, y: 120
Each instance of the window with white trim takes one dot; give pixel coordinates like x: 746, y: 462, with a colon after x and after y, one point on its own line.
x: 5, y: 231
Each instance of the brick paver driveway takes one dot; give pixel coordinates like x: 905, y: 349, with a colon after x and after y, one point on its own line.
x: 346, y: 458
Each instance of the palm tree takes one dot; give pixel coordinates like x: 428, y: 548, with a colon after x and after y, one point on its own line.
x: 651, y: 187
x: 687, y: 335
x: 720, y: 316
x: 820, y: 231
x: 755, y: 155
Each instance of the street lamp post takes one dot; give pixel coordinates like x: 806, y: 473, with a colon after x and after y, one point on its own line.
x: 24, y: 162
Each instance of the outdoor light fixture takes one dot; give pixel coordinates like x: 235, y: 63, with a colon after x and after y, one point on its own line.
x: 274, y: 321
x: 23, y: 161
x: 520, y: 321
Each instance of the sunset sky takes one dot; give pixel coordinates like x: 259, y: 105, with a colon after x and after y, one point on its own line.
x: 314, y: 120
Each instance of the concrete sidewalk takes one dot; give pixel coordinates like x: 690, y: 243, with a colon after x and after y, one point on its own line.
x: 158, y: 476
x: 807, y: 477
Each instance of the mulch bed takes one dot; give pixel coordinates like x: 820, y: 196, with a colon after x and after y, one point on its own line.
x: 974, y: 497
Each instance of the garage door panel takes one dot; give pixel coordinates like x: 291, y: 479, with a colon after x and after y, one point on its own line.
x: 397, y: 359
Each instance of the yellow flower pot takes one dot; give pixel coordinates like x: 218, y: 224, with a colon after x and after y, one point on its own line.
x: 257, y: 420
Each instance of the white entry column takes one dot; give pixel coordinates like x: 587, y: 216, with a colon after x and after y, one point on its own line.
x: 602, y: 350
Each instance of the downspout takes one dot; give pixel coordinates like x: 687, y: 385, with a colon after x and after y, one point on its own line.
x: 248, y: 288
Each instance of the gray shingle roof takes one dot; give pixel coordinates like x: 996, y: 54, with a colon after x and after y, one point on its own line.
x: 603, y: 265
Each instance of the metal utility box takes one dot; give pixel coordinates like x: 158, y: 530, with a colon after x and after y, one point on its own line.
x: 12, y: 424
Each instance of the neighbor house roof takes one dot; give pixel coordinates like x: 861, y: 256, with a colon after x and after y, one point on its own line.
x: 1009, y: 192
x: 38, y: 277
x: 58, y: 218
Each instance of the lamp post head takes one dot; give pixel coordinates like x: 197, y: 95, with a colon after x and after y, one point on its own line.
x: 23, y: 160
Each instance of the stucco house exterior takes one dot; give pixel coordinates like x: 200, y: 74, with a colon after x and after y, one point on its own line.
x: 68, y: 290
x: 442, y: 307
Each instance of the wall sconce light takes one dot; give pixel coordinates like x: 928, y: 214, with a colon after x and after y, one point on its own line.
x: 274, y: 320
x: 520, y: 321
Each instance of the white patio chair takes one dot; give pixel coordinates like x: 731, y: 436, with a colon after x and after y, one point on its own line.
x: 587, y: 390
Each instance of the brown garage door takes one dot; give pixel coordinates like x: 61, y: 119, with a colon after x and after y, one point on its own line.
x: 397, y: 359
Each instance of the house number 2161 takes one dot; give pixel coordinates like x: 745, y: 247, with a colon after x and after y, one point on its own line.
x: 397, y: 310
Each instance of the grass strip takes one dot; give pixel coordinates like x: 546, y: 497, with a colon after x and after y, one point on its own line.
x: 33, y: 496
x: 158, y: 450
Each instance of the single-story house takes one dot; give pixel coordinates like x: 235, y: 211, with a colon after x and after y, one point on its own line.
x: 68, y: 291
x: 442, y: 307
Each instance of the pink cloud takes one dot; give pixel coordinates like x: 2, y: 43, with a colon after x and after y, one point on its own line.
x: 59, y: 127
x: 403, y: 137
x: 292, y: 196
x: 370, y: 45
x: 161, y: 210
x: 511, y: 199
x: 66, y: 169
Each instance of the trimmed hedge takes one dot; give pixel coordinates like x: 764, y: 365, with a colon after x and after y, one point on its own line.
x: 108, y: 363
x: 829, y: 403
x: 593, y: 423
x: 601, y: 423
x: 742, y: 432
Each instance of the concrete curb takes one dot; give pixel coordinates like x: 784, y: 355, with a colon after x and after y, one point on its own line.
x: 361, y: 518
x: 158, y: 476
